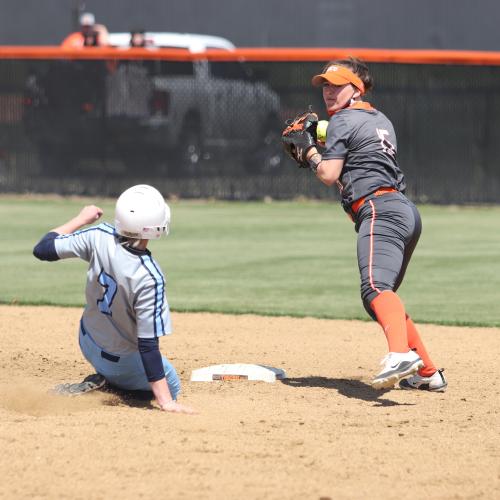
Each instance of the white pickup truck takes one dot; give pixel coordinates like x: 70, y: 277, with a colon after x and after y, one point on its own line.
x: 182, y: 117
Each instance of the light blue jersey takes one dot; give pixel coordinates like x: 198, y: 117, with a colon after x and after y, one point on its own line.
x: 125, y: 291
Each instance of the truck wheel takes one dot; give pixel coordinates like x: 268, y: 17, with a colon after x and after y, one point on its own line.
x: 268, y: 155
x: 188, y: 158
x: 54, y: 162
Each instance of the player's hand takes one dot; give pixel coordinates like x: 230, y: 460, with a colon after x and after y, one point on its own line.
x: 300, y: 136
x: 175, y: 407
x: 89, y: 214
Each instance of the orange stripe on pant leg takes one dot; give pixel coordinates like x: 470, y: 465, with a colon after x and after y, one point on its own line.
x: 370, y: 260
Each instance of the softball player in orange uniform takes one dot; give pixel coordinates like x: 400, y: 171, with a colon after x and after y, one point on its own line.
x: 360, y: 157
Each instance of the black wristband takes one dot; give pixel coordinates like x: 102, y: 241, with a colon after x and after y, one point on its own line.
x: 314, y: 161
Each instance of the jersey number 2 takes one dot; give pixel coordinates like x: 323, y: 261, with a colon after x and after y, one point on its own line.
x: 109, y: 284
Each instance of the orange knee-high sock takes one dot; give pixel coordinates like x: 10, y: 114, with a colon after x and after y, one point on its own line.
x: 391, y: 316
x: 415, y: 342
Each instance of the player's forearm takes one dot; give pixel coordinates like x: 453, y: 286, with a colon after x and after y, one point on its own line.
x: 164, y: 398
x: 327, y: 171
x: 326, y: 175
x: 87, y: 215
x: 70, y: 227
x: 161, y: 392
x: 149, y: 350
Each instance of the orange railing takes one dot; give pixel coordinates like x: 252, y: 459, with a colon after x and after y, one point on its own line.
x: 455, y: 57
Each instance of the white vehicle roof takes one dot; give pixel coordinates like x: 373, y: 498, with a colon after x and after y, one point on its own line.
x: 192, y: 42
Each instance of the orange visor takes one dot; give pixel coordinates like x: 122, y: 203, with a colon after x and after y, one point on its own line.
x: 339, y: 75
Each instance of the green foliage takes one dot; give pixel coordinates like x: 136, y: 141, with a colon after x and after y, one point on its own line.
x: 279, y: 258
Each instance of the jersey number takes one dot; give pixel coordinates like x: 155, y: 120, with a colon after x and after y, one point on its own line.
x: 387, y: 146
x: 109, y: 284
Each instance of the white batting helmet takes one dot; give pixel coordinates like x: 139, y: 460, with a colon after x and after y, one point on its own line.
x: 141, y: 213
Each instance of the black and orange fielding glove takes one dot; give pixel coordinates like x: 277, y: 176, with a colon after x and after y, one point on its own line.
x: 300, y: 136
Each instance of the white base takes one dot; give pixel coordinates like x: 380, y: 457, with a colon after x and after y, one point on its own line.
x: 238, y: 371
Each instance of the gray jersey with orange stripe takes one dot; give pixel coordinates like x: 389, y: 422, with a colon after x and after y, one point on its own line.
x: 365, y: 139
x: 125, y: 289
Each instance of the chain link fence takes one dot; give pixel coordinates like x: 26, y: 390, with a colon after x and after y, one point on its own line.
x: 212, y: 128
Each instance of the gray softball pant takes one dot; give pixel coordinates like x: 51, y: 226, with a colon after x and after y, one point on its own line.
x: 388, y: 227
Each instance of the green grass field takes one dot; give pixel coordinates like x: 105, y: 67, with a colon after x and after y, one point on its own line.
x: 279, y: 258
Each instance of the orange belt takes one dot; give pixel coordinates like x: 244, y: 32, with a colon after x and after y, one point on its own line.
x: 379, y: 192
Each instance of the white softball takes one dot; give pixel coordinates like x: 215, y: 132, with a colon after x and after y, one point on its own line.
x: 321, y: 130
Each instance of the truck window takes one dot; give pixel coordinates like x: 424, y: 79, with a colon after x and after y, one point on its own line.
x: 228, y: 70
x: 176, y: 68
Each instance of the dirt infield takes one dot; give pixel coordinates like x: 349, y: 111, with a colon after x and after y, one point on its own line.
x: 323, y: 433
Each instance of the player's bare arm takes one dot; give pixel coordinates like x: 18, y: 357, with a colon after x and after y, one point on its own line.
x: 327, y: 171
x: 300, y: 139
x: 164, y: 398
x: 88, y: 215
